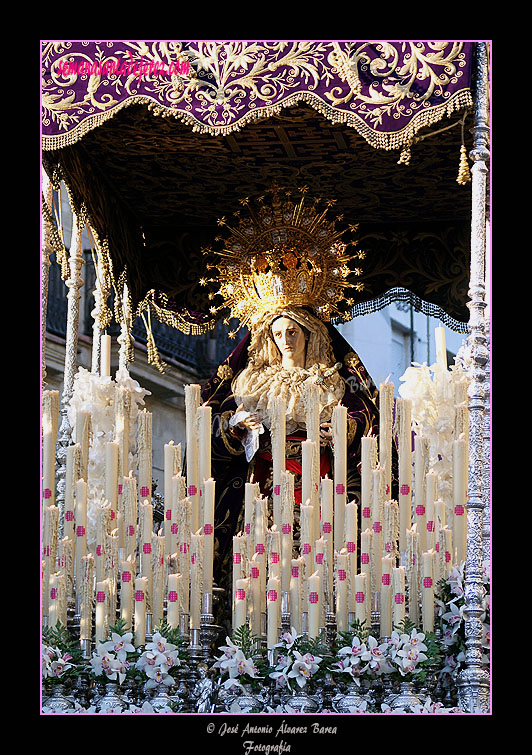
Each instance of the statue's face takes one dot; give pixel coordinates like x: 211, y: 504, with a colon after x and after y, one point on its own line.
x: 289, y: 338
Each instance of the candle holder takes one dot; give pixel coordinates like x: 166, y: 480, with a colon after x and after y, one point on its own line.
x: 285, y: 612
x: 208, y: 629
x: 184, y: 625
x: 376, y: 621
x: 148, y: 627
x: 330, y: 627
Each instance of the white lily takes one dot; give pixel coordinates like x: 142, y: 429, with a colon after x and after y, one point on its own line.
x: 304, y: 667
x: 158, y: 675
x: 160, y: 645
x: 288, y: 639
x: 119, y: 644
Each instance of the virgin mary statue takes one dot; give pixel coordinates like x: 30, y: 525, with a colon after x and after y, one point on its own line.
x: 282, y: 272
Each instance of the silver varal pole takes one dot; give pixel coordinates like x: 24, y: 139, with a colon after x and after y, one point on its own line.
x: 473, y: 681
x: 74, y: 283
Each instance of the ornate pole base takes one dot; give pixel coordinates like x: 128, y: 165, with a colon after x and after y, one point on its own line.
x: 473, y: 686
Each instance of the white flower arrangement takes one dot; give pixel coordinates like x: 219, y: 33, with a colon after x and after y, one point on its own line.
x: 236, y: 664
x: 55, y: 663
x: 157, y: 660
x: 451, y: 604
x: 407, y: 651
x: 295, y: 666
x: 96, y: 394
x: 110, y: 660
x: 432, y: 391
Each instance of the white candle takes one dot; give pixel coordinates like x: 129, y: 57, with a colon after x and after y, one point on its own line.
x: 129, y: 508
x: 172, y: 467
x: 204, y: 421
x: 196, y: 578
x: 171, y: 526
x: 351, y: 547
x: 122, y: 412
x: 73, y: 468
x: 390, y: 527
x: 296, y: 576
x: 57, y: 600
x: 50, y: 535
x: 376, y: 516
x: 367, y: 568
x: 273, y: 540
x: 251, y: 492
x: 460, y: 464
x: 362, y: 606
x: 50, y: 423
x: 311, y: 399
x: 412, y: 567
x: 81, y: 436
x: 369, y: 454
x: 341, y: 582
x: 111, y: 476
x: 386, y: 402
x: 398, y: 594
x: 314, y: 612
x: 105, y: 355
x: 85, y: 594
x: 441, y: 349
x: 158, y: 576
x: 310, y: 480
x: 65, y: 564
x: 421, y: 467
x: 431, y: 494
x: 278, y: 439
x: 102, y: 517
x: 239, y: 567
x: 322, y: 568
x: 339, y: 433
x: 80, y: 512
x: 241, y: 599
x: 127, y: 579
x: 287, y: 523
x: 386, y: 596
x: 174, y: 608
x: 273, y: 612
x: 144, y: 451
x: 306, y: 522
x: 141, y: 585
x: 208, y: 532
x: 427, y: 591
x: 404, y: 418
x: 101, y: 618
x: 192, y: 401
x: 440, y: 517
x: 326, y: 529
x: 351, y: 528
x: 255, y: 609
x: 146, y: 529
x: 183, y: 520
x: 446, y: 551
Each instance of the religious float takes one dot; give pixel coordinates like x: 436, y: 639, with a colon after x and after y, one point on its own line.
x: 379, y: 605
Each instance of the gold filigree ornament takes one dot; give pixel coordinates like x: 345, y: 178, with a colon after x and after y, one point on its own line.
x: 284, y: 250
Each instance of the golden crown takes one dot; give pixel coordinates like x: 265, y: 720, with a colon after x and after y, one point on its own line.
x: 284, y: 252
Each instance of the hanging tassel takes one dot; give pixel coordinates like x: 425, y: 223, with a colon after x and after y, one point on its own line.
x: 405, y: 155
x: 153, y: 354
x: 464, y: 175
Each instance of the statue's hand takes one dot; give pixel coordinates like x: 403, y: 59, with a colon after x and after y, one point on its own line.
x: 252, y: 422
x: 325, y: 433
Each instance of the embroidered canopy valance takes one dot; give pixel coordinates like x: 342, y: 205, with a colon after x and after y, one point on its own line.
x: 157, y: 139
